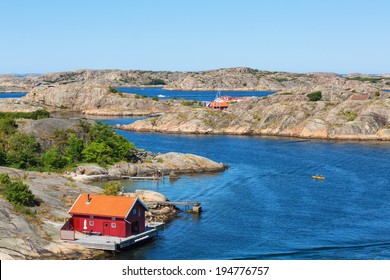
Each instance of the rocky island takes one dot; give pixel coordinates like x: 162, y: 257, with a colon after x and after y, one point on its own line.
x: 59, y: 158
x: 34, y: 204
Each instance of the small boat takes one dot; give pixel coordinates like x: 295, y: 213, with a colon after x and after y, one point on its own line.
x: 318, y: 177
x: 160, y: 95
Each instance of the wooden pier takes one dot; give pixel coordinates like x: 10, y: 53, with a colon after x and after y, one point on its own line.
x: 113, y: 243
x: 196, y: 206
x: 140, y: 177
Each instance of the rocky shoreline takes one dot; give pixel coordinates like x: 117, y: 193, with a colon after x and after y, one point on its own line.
x: 338, y: 117
x: 152, y: 165
x: 352, y: 107
x: 37, y: 236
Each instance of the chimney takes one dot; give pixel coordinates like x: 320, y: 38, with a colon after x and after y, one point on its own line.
x: 89, y: 199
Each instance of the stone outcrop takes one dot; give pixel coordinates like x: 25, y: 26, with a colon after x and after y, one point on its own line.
x: 46, y: 131
x: 38, y: 236
x: 152, y: 166
x: 158, y: 211
x: 14, y: 105
x: 283, y: 114
x: 93, y: 100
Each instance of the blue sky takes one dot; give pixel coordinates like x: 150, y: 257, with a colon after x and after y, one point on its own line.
x: 296, y: 36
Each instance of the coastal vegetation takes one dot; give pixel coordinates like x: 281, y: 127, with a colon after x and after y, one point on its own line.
x: 315, y: 96
x: 111, y: 188
x: 18, y: 194
x: 36, y: 115
x: 99, y: 144
x: 113, y: 90
x: 156, y: 82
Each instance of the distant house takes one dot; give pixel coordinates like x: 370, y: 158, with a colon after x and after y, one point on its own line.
x: 119, y: 216
x: 359, y: 97
x: 222, y: 105
x: 223, y: 102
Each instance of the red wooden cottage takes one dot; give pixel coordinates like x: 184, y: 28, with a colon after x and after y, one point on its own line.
x: 119, y: 216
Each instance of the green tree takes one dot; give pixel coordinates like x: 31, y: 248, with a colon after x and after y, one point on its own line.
x: 7, y: 126
x: 22, y: 151
x: 52, y: 159
x: 112, y: 188
x: 73, y: 150
x: 98, y: 152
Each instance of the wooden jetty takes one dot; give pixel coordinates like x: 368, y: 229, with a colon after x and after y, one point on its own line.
x: 196, y: 206
x: 139, y: 177
x: 113, y: 243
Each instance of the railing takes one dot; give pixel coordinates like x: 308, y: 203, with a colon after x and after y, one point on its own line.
x: 67, y: 231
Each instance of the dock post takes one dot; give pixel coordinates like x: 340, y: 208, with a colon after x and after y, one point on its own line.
x: 197, y: 209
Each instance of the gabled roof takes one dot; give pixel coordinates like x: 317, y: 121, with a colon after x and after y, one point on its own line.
x: 359, y: 97
x: 104, y: 205
x: 220, y: 104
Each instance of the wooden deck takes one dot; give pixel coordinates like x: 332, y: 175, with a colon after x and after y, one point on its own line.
x: 113, y: 243
x: 140, y: 177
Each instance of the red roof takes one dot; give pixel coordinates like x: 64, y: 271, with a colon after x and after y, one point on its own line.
x: 104, y: 205
x: 216, y: 104
x: 359, y: 97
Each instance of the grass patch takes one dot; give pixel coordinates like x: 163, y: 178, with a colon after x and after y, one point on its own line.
x: 350, y: 116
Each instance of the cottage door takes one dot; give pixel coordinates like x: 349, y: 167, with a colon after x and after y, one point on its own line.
x: 106, y: 229
x: 135, y: 227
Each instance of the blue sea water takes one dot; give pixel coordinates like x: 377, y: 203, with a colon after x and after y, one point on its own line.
x: 12, y: 94
x: 189, y: 94
x: 267, y: 206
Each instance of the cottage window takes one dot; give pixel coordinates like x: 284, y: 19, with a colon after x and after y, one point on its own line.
x: 113, y: 218
x: 91, y: 217
x: 135, y: 211
x: 91, y: 223
x: 139, y: 214
x: 113, y: 225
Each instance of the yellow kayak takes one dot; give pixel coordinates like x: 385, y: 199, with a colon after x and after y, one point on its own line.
x: 317, y: 177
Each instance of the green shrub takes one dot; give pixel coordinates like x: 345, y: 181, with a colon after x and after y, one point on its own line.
x: 155, y: 98
x: 39, y: 114
x: 52, y: 159
x: 7, y: 126
x: 22, y: 151
x: 73, y: 150
x: 99, y: 144
x: 315, y: 96
x: 111, y: 188
x: 16, y: 192
x: 189, y: 102
x: 113, y: 90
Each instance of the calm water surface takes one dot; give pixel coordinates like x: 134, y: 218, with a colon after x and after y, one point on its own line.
x: 191, y: 95
x: 267, y: 206
x: 12, y: 94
